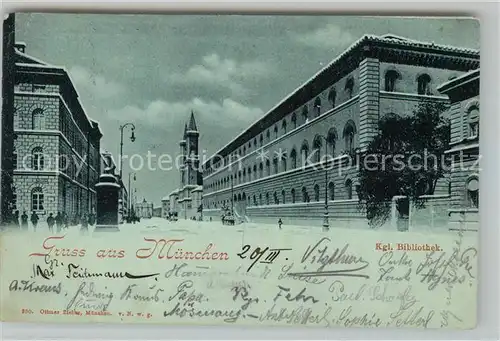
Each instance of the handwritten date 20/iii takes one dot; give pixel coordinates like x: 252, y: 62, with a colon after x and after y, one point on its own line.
x: 264, y: 255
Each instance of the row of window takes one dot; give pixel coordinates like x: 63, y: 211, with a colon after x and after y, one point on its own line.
x: 282, y: 199
x: 284, y: 126
x: 36, y: 161
x: 391, y: 78
x: 281, y: 162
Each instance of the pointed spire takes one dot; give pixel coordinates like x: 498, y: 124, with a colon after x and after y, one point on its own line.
x: 192, y: 123
x: 185, y: 130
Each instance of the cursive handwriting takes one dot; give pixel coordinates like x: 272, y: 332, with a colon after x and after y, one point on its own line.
x: 32, y: 286
x: 130, y: 294
x: 297, y: 298
x: 75, y: 271
x: 88, y: 298
x: 337, y: 257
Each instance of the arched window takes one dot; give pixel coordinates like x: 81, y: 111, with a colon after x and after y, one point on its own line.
x: 268, y: 167
x: 332, y: 97
x: 260, y: 199
x: 38, y: 119
x: 349, y: 87
x: 331, y: 140
x: 348, y: 189
x: 304, y: 152
x: 331, y: 191
x: 423, y: 84
x: 275, y: 165
x: 244, y: 150
x: 283, y: 126
x: 305, y: 114
x: 349, y: 131
x: 254, y: 200
x: 294, y: 121
x: 37, y: 158
x: 244, y: 175
x: 275, y: 197
x: 305, y: 195
x: 255, y: 143
x: 239, y: 177
x: 268, y: 135
x: 261, y: 140
x: 473, y: 192
x: 250, y: 174
x: 37, y: 199
x: 317, y: 144
x: 293, y: 159
x: 283, y: 196
x: 391, y: 76
x: 473, y: 122
x: 267, y: 199
x: 283, y: 163
x: 317, y: 106
x: 292, y: 194
x: 275, y: 131
x: 316, y: 192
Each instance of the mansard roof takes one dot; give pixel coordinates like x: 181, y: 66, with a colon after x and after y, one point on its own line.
x: 387, y: 48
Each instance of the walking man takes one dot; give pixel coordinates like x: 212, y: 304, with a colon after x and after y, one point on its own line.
x: 58, y: 220
x: 24, y: 221
x: 16, y: 219
x: 280, y: 223
x: 50, y: 222
x: 34, y: 220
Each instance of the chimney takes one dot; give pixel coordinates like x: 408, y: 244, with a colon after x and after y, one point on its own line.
x: 20, y: 46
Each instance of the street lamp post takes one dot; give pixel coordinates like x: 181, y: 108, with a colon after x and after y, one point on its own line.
x: 326, y: 224
x: 132, y: 138
x: 129, y: 208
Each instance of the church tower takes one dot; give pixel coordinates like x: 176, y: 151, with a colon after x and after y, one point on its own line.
x: 183, y: 151
x: 192, y: 157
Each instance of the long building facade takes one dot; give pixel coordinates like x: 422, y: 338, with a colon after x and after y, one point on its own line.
x: 274, y: 169
x: 56, y: 152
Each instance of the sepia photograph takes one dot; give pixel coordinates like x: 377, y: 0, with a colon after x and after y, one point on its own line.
x: 251, y: 169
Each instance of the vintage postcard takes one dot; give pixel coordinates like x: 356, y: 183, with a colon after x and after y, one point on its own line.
x: 318, y: 171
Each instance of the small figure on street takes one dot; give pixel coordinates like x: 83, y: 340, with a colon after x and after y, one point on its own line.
x: 16, y: 219
x: 84, y: 221
x: 34, y: 220
x: 91, y: 219
x: 59, y: 222
x: 280, y: 223
x: 50, y: 222
x: 24, y: 221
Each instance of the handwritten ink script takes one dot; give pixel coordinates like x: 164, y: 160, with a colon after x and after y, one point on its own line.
x: 313, y: 279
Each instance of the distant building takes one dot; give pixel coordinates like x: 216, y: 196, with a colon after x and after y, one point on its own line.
x: 157, y: 211
x: 144, y: 209
x: 463, y: 92
x: 165, y: 207
x: 56, y: 151
x: 186, y: 201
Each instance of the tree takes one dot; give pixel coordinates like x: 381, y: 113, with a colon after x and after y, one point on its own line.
x: 406, y: 158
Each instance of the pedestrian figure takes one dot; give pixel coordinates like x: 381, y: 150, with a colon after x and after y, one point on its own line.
x: 24, y: 221
x: 34, y: 220
x: 50, y: 222
x: 92, y: 219
x: 58, y: 220
x: 16, y: 219
x: 280, y: 223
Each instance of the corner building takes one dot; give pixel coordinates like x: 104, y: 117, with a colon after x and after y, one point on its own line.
x: 275, y: 168
x: 56, y: 152
x: 464, y: 150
